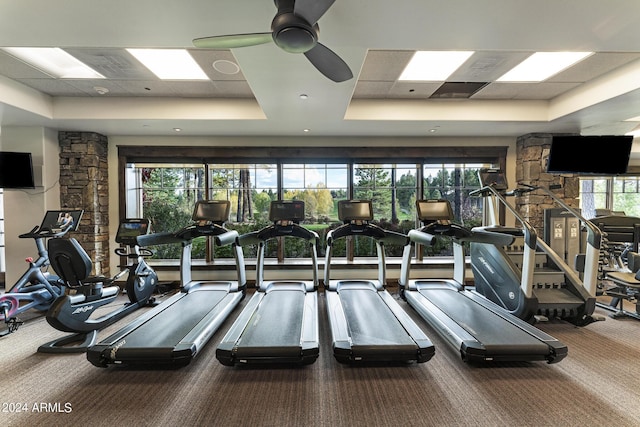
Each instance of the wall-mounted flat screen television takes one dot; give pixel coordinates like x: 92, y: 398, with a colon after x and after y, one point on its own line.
x: 16, y: 170
x: 599, y: 155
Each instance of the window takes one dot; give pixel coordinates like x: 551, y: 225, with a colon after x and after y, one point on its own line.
x: 454, y: 182
x: 165, y: 193
x: 602, y: 196
x: 249, y: 188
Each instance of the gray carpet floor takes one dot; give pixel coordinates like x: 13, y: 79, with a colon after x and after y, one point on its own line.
x: 597, y: 384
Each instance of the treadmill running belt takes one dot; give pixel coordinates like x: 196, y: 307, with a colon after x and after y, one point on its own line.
x: 277, y: 322
x: 491, y: 330
x: 171, y: 325
x: 370, y: 321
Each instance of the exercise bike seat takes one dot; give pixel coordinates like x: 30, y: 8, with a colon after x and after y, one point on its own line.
x: 72, y: 263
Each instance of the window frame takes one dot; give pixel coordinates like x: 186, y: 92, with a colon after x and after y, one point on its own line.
x: 495, y: 155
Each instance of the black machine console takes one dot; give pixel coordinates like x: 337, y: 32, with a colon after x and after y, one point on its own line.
x: 286, y: 210
x: 434, y: 210
x: 355, y: 210
x: 216, y: 211
x: 491, y: 177
x: 130, y: 228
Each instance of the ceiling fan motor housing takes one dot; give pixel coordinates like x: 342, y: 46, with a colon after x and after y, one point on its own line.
x: 292, y: 33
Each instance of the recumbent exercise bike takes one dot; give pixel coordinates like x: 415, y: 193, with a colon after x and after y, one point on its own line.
x: 73, y: 313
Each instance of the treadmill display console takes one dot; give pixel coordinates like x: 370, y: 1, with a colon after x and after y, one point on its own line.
x: 434, y: 210
x: 129, y: 229
x: 493, y: 177
x: 355, y: 210
x: 286, y: 210
x: 211, y: 210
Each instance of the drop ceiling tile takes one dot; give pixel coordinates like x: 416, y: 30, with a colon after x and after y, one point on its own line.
x: 594, y: 66
x: 486, y: 66
x: 53, y: 87
x: 146, y: 88
x: 17, y: 69
x: 384, y: 65
x: 113, y: 63
x: 206, y: 59
x: 403, y: 89
x: 372, y: 89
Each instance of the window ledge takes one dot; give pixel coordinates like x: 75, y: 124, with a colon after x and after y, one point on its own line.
x: 304, y: 263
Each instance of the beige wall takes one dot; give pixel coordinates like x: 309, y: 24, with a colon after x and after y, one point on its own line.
x: 24, y: 209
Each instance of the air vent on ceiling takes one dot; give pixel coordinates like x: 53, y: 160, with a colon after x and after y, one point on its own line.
x: 459, y: 90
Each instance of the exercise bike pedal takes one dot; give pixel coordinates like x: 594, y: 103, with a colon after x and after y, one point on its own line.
x: 13, y: 324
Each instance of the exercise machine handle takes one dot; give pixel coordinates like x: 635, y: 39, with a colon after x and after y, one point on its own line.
x: 158, y: 239
x: 394, y: 238
x: 421, y: 237
x: 227, y: 238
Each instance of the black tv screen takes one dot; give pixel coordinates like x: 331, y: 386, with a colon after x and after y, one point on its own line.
x: 16, y: 170
x: 599, y: 155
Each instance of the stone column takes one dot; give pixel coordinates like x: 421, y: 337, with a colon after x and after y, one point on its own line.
x: 84, y: 185
x: 532, y: 152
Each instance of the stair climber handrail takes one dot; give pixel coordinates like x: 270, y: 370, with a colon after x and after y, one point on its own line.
x: 594, y: 239
x: 530, y: 240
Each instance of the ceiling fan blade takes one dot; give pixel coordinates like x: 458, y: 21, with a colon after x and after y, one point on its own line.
x: 311, y: 10
x: 232, y: 41
x: 328, y: 63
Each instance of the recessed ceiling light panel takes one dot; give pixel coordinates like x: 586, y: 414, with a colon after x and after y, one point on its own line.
x: 434, y: 65
x: 170, y: 64
x: 55, y: 62
x: 542, y: 65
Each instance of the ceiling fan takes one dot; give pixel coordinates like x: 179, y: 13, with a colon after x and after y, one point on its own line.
x: 294, y: 29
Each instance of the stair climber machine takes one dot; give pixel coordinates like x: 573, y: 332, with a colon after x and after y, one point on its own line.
x: 171, y: 334
x: 279, y: 324
x: 80, y: 311
x: 476, y: 327
x: 367, y: 323
x: 536, y: 283
x: 37, y: 288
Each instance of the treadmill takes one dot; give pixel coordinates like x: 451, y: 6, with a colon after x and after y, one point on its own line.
x: 172, y: 333
x: 279, y: 324
x: 367, y: 323
x: 479, y: 329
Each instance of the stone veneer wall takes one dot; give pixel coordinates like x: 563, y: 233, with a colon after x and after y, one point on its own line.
x: 532, y: 152
x: 84, y: 185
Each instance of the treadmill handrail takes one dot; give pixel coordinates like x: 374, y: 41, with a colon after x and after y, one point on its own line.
x: 192, y: 231
x: 259, y: 238
x: 291, y: 230
x: 159, y: 239
x: 368, y: 230
x: 381, y: 237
